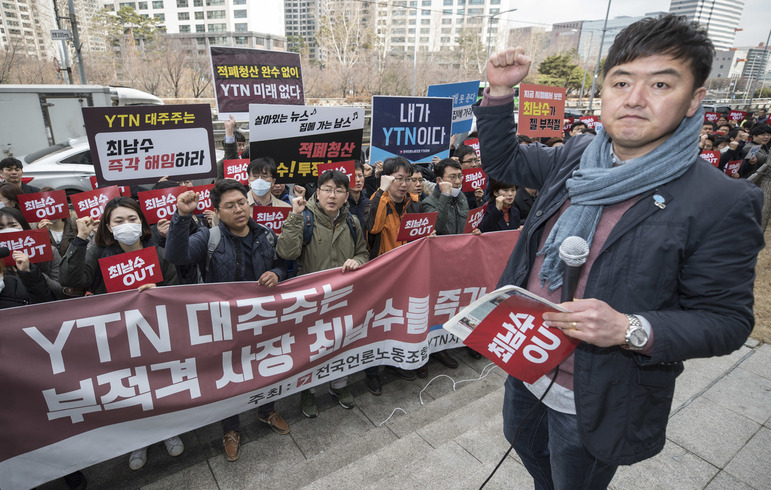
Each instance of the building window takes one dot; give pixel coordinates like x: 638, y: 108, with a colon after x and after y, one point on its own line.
x: 127, y: 4
x: 199, y: 16
x: 239, y: 2
x: 158, y: 4
x: 217, y: 27
x: 242, y: 27
x: 241, y: 40
x: 200, y: 28
x: 184, y: 28
x: 215, y: 14
x: 183, y: 16
x: 181, y: 4
x: 209, y: 3
x: 197, y: 3
x: 239, y: 14
x: 160, y: 17
x: 142, y: 5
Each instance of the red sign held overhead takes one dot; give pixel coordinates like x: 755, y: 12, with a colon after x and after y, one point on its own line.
x: 160, y: 203
x: 91, y: 203
x: 348, y: 168
x: 35, y: 243
x: 732, y: 166
x: 204, y: 198
x: 416, y: 225
x: 473, y: 179
x: 271, y: 216
x: 124, y: 189
x: 473, y: 143
x: 711, y: 116
x: 131, y: 269
x: 474, y: 218
x: 44, y: 205
x: 737, y: 115
x: 591, y: 121
x: 236, y: 169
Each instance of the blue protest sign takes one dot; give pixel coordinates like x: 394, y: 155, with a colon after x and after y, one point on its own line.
x: 463, y: 95
x: 416, y: 128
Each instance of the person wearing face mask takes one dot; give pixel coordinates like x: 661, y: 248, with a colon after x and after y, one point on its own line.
x: 262, y: 175
x: 123, y: 228
x: 9, y: 195
x: 12, y: 290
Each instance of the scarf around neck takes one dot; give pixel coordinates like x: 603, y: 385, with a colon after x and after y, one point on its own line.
x: 597, y: 183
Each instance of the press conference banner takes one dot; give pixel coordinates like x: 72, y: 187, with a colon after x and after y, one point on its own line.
x: 416, y: 128
x: 88, y: 379
x: 299, y: 138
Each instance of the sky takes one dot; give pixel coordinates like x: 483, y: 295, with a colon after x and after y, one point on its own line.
x: 754, y: 21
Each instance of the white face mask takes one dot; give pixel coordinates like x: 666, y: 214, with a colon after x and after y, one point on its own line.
x: 127, y: 233
x: 10, y: 229
x: 260, y: 187
x: 455, y: 192
x: 2, y: 204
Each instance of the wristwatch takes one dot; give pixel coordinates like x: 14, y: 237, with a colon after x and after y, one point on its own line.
x: 636, y: 336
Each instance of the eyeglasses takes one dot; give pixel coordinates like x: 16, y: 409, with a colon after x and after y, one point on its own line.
x: 454, y: 178
x: 330, y: 190
x: 401, y: 180
x: 472, y: 160
x: 231, y: 206
x: 266, y: 177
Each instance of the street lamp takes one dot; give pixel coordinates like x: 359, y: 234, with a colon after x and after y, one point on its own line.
x: 599, y: 57
x: 586, y: 66
x: 490, y: 35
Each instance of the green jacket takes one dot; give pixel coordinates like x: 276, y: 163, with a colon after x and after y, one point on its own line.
x: 331, y: 243
x: 453, y: 212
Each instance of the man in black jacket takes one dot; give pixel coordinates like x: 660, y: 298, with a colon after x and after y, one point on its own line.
x: 666, y: 278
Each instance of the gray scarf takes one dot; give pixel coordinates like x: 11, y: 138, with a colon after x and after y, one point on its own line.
x: 597, y: 183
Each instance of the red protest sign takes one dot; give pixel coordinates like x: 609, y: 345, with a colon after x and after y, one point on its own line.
x: 473, y: 179
x: 712, y: 156
x: 236, y: 169
x: 44, y: 205
x: 591, y: 121
x: 737, y: 115
x: 131, y: 269
x: 732, y: 166
x: 124, y: 189
x: 567, y: 124
x: 35, y: 243
x: 541, y: 110
x: 513, y: 337
x: 204, y: 198
x: 711, y: 116
x: 416, y: 225
x: 271, y: 216
x: 473, y: 143
x: 347, y: 167
x: 91, y: 203
x: 160, y: 203
x: 474, y: 218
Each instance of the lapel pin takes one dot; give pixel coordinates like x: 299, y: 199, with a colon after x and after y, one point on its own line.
x: 659, y: 201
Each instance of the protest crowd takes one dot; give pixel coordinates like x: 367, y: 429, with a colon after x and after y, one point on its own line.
x: 332, y: 223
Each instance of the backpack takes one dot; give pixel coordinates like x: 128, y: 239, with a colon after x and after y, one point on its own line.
x: 308, y: 222
x: 215, y: 237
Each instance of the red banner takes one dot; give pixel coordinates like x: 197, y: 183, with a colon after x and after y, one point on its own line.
x: 347, y: 167
x: 416, y: 225
x: 204, y: 198
x: 541, y: 110
x: 35, y: 243
x: 124, y: 189
x: 160, y: 203
x: 474, y: 219
x: 91, y: 203
x: 473, y: 179
x: 591, y: 121
x: 567, y: 124
x: 732, y: 166
x: 711, y: 116
x: 271, y: 216
x: 712, y: 156
x: 127, y: 271
x: 737, y: 116
x: 236, y: 169
x: 136, y: 368
x: 44, y: 205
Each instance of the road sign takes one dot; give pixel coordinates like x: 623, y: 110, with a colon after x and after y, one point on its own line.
x: 60, y: 35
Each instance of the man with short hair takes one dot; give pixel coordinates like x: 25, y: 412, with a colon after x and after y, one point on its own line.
x: 243, y: 250
x: 762, y: 116
x: 336, y: 241
x: 12, y: 170
x: 447, y: 199
x: 468, y: 158
x: 666, y: 278
x: 262, y: 176
x: 577, y: 128
x: 707, y: 127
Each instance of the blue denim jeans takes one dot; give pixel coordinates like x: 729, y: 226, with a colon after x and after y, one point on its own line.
x: 549, y: 444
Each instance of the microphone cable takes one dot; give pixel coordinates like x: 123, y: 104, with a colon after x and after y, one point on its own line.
x: 516, y: 434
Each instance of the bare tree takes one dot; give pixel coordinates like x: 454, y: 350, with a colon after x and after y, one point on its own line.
x: 9, y: 58
x: 199, y: 75
x: 175, y: 64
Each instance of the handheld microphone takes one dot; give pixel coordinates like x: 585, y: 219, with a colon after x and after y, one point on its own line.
x: 573, y: 252
x: 4, y: 252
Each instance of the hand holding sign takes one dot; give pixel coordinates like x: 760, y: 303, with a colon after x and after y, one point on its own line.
x: 591, y: 321
x: 21, y: 259
x: 163, y: 227
x: 187, y: 203
x: 268, y: 279
x: 86, y: 226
